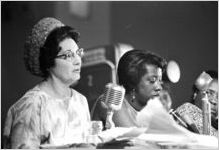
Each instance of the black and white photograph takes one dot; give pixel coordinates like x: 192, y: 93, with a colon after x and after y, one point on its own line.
x: 109, y: 74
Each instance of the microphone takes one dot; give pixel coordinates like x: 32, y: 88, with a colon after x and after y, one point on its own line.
x: 193, y: 116
x: 202, y: 83
x: 177, y: 118
x: 190, y: 123
x: 184, y: 121
x: 113, y: 98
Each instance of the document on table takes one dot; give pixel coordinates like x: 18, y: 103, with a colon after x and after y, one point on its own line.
x: 159, y: 127
x: 162, y: 128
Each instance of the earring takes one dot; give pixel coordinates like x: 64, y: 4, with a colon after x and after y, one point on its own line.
x: 194, y: 95
x: 133, y: 95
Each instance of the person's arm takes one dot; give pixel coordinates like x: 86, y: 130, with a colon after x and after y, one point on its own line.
x: 25, y: 131
x: 23, y: 137
x: 121, y: 118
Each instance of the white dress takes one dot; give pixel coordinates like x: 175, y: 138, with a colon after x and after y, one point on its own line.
x: 37, y: 118
x: 129, y: 113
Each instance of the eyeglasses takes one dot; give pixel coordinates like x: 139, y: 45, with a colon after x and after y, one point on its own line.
x: 70, y: 55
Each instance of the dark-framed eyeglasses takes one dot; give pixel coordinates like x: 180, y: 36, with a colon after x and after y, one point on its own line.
x: 71, y: 55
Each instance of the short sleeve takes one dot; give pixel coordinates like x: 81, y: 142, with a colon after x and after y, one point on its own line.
x: 25, y: 128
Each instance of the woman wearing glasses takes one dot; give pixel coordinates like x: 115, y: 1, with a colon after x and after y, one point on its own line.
x: 51, y: 112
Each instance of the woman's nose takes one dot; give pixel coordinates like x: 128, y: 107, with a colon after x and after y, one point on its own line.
x: 77, y: 61
x: 158, y: 87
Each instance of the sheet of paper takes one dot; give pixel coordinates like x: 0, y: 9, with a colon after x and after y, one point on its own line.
x: 162, y: 128
x: 113, y: 133
x: 157, y: 120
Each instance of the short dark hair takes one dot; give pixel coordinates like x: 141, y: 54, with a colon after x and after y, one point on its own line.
x: 131, y: 67
x: 51, y: 47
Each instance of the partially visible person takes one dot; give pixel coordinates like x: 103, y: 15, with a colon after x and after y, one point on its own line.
x: 51, y: 112
x: 165, y: 99
x: 212, y: 93
x: 165, y: 94
x: 140, y: 72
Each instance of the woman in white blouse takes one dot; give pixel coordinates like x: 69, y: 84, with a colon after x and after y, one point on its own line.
x: 140, y: 73
x: 51, y: 112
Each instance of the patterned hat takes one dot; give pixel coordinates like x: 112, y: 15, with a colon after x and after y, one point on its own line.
x: 35, y: 41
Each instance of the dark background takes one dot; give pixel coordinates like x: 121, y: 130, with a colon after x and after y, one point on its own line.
x: 183, y: 31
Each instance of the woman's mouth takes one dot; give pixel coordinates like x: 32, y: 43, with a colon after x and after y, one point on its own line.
x: 77, y: 70
x: 155, y: 95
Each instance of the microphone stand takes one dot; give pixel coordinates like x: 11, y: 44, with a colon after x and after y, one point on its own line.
x: 206, y: 110
x: 177, y: 118
x: 109, y: 119
x: 184, y: 121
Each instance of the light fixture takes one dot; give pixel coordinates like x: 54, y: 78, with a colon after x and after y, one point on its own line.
x: 173, y: 71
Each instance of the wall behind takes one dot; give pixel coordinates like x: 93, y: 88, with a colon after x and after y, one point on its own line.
x: 184, y: 31
x: 94, y: 28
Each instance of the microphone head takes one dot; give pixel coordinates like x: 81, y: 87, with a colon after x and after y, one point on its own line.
x: 113, y: 96
x: 203, y: 81
x: 195, y: 114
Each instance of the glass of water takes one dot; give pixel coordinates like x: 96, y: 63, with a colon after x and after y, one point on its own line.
x: 95, y: 128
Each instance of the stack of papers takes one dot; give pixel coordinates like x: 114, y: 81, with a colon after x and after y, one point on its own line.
x: 160, y: 128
